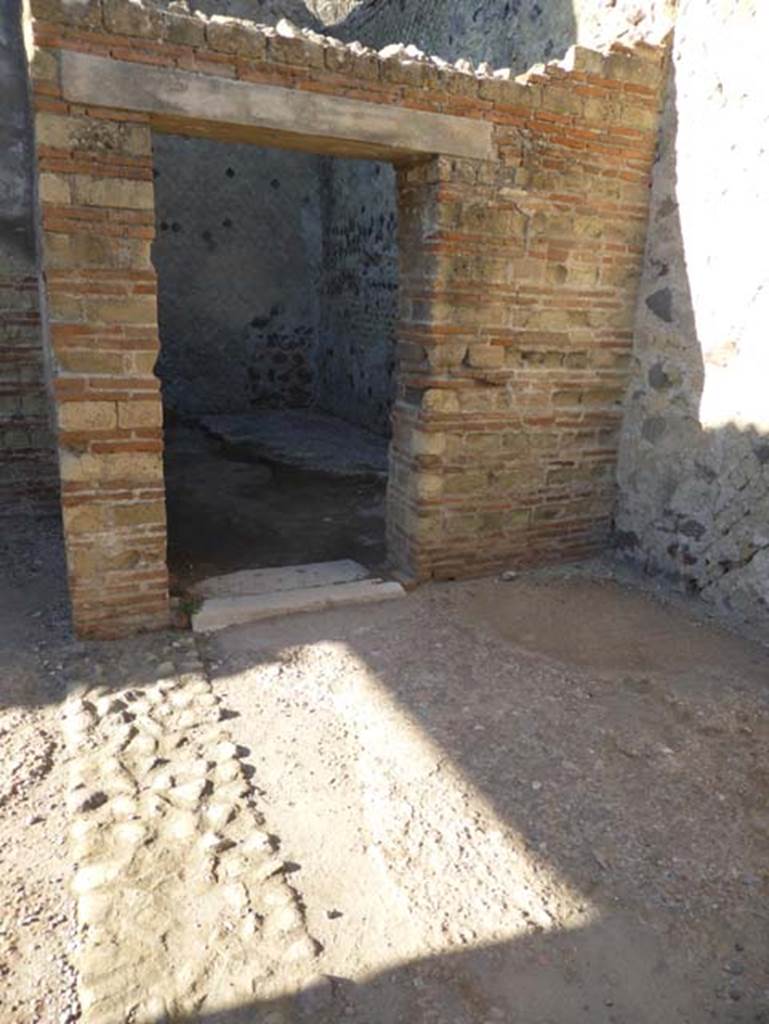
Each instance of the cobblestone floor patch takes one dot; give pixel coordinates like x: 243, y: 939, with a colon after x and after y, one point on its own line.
x: 183, y: 904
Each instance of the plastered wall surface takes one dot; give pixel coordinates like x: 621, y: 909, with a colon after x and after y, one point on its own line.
x: 694, y: 460
x: 238, y: 258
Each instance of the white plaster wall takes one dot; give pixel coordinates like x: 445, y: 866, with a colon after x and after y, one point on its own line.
x: 694, y: 460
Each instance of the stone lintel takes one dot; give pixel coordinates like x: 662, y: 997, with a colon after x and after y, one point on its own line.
x: 198, y: 104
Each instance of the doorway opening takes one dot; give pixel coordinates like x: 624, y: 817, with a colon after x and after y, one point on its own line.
x: 277, y: 307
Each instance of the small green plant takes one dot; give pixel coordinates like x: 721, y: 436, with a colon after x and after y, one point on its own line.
x: 189, y: 604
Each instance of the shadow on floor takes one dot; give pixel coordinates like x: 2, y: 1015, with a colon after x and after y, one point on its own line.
x: 537, y: 979
x: 34, y: 611
x: 617, y: 743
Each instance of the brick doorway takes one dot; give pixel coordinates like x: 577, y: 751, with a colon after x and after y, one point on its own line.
x: 116, y: 526
x: 522, y: 214
x: 103, y: 327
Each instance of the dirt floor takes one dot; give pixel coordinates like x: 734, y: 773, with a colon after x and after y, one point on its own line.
x: 228, y: 511
x: 537, y: 801
x: 37, y: 926
x: 542, y: 800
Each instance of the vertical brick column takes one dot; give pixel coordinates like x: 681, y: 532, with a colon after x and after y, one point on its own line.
x: 96, y: 196
x: 462, y: 450
x: 413, y: 479
x: 518, y: 281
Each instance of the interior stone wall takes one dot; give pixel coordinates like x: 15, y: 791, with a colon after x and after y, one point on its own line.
x: 694, y: 459
x: 238, y: 254
x: 506, y: 33
x: 359, y: 292
x: 265, y: 12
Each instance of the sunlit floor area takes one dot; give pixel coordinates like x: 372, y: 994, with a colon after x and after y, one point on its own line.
x: 538, y: 799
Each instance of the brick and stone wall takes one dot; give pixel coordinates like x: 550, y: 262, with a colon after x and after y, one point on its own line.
x: 335, y: 346
x: 694, y: 466
x: 28, y: 473
x: 270, y: 351
x: 518, y: 280
x: 96, y: 197
x: 342, y: 357
x: 360, y: 230
x: 514, y: 353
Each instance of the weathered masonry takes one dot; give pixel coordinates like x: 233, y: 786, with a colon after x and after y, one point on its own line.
x: 522, y: 212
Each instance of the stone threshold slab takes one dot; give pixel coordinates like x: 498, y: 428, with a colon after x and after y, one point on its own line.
x: 250, y: 582
x: 220, y: 612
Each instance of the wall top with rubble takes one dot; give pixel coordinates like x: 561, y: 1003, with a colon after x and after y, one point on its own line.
x: 579, y: 85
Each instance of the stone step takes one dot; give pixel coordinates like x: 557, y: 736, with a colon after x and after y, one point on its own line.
x: 220, y: 612
x: 284, y: 577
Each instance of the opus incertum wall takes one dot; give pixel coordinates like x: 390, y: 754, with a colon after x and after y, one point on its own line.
x: 522, y: 209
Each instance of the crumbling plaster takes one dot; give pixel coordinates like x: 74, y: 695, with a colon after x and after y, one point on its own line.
x: 694, y: 458
x: 359, y: 304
